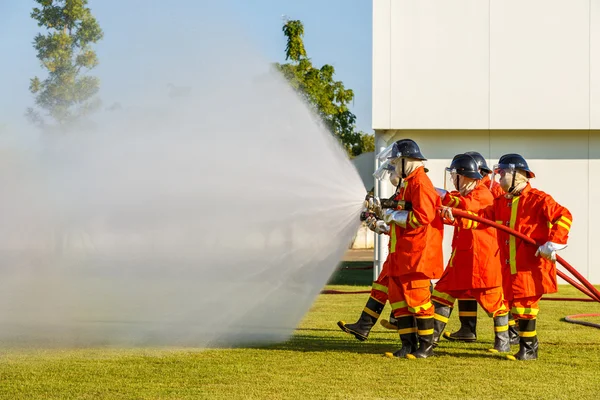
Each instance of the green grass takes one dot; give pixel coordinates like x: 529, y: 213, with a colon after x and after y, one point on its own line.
x: 320, y: 361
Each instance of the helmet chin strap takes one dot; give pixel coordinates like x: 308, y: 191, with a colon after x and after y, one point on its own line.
x: 512, y: 185
x: 403, y: 168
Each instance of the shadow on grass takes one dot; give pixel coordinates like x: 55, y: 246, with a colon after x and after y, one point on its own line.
x: 347, y: 344
x: 347, y: 274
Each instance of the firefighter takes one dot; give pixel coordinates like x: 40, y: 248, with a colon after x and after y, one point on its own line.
x: 379, y: 290
x: 415, y: 251
x: 474, y: 269
x: 528, y: 272
x: 467, y: 308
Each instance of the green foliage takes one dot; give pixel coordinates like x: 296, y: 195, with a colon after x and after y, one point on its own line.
x: 67, y: 94
x: 328, y: 97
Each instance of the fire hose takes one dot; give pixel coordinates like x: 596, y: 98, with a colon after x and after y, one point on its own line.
x: 584, y: 286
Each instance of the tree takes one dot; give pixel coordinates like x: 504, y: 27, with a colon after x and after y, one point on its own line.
x: 67, y: 94
x: 328, y: 97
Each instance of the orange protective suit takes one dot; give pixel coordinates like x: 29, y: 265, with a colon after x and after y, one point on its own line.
x: 416, y: 251
x: 496, y: 189
x: 474, y: 269
x: 526, y: 277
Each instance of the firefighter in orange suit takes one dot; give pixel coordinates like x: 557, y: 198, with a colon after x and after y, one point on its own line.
x: 527, y: 273
x: 379, y: 290
x: 467, y: 308
x: 474, y: 269
x: 415, y: 250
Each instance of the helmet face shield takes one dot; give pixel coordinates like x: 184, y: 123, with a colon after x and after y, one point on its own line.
x: 386, y: 153
x: 450, y: 179
x: 383, y: 172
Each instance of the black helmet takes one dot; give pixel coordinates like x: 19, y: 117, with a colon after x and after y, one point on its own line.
x: 465, y: 165
x: 517, y: 161
x: 406, y: 148
x: 480, y: 161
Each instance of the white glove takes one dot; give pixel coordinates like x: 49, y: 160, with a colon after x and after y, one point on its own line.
x: 548, y: 250
x: 446, y: 213
x: 377, y: 226
x: 441, y: 192
x: 399, y: 217
x: 374, y: 205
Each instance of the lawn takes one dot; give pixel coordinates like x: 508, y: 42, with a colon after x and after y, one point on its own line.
x: 320, y: 361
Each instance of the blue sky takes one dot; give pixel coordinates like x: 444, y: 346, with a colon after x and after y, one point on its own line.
x: 337, y: 32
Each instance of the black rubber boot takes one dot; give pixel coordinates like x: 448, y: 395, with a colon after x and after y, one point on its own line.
x: 440, y: 319
x: 467, y: 313
x: 390, y: 323
x: 528, y: 345
x: 501, y: 338
x: 425, y: 332
x: 368, y: 318
x: 407, y: 328
x: 513, y: 332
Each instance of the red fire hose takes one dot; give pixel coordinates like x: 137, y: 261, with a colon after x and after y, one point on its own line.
x: 585, y: 287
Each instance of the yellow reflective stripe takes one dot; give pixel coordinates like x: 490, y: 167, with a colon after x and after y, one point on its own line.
x: 379, y: 301
x: 407, y: 330
x: 528, y: 334
x: 467, y: 313
x: 503, y: 328
x: 455, y: 201
x: 525, y: 311
x: 440, y: 318
x: 511, y: 322
x: 512, y: 245
x: 393, y: 239
x: 381, y: 288
x: 425, y: 332
x: 399, y: 304
x: 500, y: 222
x: 567, y: 227
x: 550, y: 225
x: 424, y: 307
x: 412, y: 218
x: 469, y: 224
x: 452, y: 257
x: 444, y: 296
x: 567, y: 220
x: 371, y: 312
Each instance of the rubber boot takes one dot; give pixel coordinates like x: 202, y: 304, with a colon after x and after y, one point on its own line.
x: 407, y: 328
x: 440, y: 319
x: 391, y: 323
x: 528, y: 344
x: 368, y: 318
x: 467, y: 313
x: 501, y: 336
x: 513, y: 332
x: 425, y: 332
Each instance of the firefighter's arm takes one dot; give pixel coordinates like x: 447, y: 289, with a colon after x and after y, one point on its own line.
x: 465, y: 223
x: 559, y: 221
x: 424, y: 201
x: 424, y: 207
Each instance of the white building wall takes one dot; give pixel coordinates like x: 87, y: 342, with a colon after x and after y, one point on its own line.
x: 594, y: 64
x: 498, y: 76
x: 539, y: 64
x: 495, y: 64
